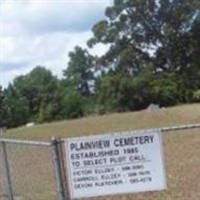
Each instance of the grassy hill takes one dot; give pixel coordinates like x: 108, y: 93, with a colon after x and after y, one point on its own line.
x: 32, y: 167
x: 184, y: 114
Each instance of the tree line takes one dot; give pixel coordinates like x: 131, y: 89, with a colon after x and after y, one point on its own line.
x: 153, y: 57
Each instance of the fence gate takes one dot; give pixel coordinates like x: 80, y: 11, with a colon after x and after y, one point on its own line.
x: 30, y: 170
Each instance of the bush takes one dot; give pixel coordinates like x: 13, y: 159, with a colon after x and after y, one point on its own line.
x: 72, y: 105
x: 196, y: 95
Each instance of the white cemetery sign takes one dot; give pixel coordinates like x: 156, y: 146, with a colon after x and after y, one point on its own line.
x: 115, y: 163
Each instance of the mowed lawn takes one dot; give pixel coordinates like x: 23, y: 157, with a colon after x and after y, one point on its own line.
x: 91, y: 125
x: 181, y: 151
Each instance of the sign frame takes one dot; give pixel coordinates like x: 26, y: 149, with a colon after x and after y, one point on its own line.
x: 131, y: 134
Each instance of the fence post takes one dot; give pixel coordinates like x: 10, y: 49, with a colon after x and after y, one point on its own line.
x: 7, y: 170
x: 57, y: 169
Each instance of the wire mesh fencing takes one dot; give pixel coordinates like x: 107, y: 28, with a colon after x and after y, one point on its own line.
x: 37, y: 171
x: 27, y: 171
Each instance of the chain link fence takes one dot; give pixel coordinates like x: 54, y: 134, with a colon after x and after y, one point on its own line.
x: 37, y: 171
x: 28, y: 170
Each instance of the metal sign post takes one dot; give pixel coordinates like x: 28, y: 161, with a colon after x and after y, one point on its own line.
x: 57, y: 170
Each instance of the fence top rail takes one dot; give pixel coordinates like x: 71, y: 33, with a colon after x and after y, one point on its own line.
x: 162, y: 129
x: 25, y: 142
x: 180, y: 127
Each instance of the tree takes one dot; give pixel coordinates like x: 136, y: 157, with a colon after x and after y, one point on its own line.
x: 163, y: 34
x: 40, y: 89
x: 145, y: 31
x: 2, y: 107
x: 1, y: 97
x: 16, y: 109
x: 79, y: 71
x: 72, y: 105
x: 119, y: 92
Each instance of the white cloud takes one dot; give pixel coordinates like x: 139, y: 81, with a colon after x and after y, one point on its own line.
x: 42, y: 32
x: 36, y: 17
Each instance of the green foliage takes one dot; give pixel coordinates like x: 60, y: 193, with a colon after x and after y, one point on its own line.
x: 38, y: 87
x: 72, y: 105
x: 134, y: 28
x: 167, y: 29
x: 39, y: 96
x: 153, y: 57
x: 32, y: 97
x: 2, y: 107
x: 79, y: 70
x: 116, y: 92
x: 165, y: 89
x: 196, y: 96
x: 16, y: 109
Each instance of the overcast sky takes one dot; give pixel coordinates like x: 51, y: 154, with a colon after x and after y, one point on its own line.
x: 42, y: 32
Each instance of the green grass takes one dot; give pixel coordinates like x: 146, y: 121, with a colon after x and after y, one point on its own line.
x: 184, y: 114
x: 32, y: 167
